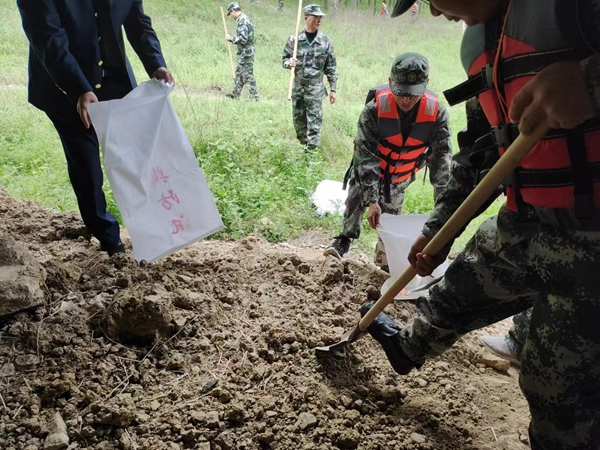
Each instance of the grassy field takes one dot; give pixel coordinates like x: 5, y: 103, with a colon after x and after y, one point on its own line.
x: 248, y: 151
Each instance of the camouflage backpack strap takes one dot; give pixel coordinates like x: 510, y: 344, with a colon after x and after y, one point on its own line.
x: 347, y: 175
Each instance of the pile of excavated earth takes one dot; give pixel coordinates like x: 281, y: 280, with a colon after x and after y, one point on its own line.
x: 213, y: 348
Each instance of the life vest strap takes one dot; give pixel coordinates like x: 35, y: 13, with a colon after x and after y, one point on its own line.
x: 583, y: 180
x: 403, y: 162
x: 518, y: 66
x: 500, y: 136
x: 555, y: 177
x: 473, y: 86
x: 402, y: 149
x: 532, y: 63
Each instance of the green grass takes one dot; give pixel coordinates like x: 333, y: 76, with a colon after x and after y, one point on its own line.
x: 248, y: 151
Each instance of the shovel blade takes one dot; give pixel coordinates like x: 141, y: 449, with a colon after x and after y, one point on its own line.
x: 348, y: 338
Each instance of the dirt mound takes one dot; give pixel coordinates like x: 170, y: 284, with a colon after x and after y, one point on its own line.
x: 213, y: 348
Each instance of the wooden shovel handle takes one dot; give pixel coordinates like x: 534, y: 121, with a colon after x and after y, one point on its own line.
x: 509, y: 161
x: 293, y: 72
x: 228, y: 45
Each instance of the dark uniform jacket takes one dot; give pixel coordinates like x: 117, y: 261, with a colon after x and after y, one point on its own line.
x: 65, y: 58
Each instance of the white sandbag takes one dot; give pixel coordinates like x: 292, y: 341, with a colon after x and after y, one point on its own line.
x: 398, y: 233
x: 161, y: 192
x: 329, y: 198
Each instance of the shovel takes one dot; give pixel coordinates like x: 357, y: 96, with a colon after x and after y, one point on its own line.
x: 509, y: 161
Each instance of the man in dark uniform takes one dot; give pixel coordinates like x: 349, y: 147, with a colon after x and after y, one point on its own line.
x: 77, y: 57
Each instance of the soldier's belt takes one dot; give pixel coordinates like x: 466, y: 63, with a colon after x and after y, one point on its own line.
x: 309, y: 81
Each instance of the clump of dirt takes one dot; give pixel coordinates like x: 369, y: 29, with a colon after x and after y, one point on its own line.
x: 21, y: 278
x: 213, y: 348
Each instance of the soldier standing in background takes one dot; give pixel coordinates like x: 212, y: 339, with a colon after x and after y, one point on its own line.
x: 315, y: 57
x: 401, y: 130
x: 244, y: 39
x: 280, y: 6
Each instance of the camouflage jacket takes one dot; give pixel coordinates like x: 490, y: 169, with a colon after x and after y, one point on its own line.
x: 244, y: 38
x: 314, y: 59
x: 464, y: 176
x: 366, y: 154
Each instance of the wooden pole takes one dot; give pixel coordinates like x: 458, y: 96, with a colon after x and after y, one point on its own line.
x: 228, y: 46
x: 293, y: 74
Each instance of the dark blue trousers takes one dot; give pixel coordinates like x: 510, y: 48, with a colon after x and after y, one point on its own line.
x: 83, y: 162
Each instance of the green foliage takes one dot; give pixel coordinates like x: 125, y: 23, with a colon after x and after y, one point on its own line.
x: 261, y: 186
x: 257, y: 171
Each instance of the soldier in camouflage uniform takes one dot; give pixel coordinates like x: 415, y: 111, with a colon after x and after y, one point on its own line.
x: 368, y: 187
x: 532, y: 256
x: 244, y: 39
x: 315, y: 57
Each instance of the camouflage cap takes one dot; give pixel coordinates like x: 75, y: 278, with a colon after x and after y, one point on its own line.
x: 402, y: 6
x: 409, y: 74
x: 232, y: 7
x: 313, y: 10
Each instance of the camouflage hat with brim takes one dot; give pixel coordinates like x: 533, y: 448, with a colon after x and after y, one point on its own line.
x: 409, y: 74
x: 233, y: 6
x: 402, y: 6
x: 313, y: 10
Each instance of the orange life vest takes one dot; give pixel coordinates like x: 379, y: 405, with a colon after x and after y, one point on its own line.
x: 401, y: 159
x: 562, y: 170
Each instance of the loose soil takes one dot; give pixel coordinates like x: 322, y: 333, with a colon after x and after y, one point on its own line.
x: 213, y: 348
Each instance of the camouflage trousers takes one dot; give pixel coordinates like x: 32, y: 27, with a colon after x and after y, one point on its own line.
x: 307, y: 113
x: 513, y: 263
x: 354, y: 213
x: 519, y: 331
x: 244, y: 75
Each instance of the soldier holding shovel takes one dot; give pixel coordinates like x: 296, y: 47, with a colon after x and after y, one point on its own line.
x: 315, y: 58
x: 542, y: 250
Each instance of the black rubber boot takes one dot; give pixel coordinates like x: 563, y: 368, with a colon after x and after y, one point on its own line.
x: 113, y: 249
x: 386, y: 332
x: 339, y: 247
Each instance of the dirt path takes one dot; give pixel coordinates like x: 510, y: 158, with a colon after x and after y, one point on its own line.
x: 212, y: 348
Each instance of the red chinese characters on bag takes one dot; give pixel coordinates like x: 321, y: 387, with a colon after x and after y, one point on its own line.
x: 169, y: 200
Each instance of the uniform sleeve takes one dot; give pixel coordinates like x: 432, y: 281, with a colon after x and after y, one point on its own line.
x: 591, y: 66
x: 366, y: 154
x: 143, y: 38
x: 463, y: 175
x: 288, y: 52
x: 242, y: 33
x: 330, y: 68
x: 591, y: 74
x: 50, y: 44
x: 440, y: 158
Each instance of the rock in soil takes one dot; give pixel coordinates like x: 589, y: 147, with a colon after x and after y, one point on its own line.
x: 493, y: 361
x: 21, y: 278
